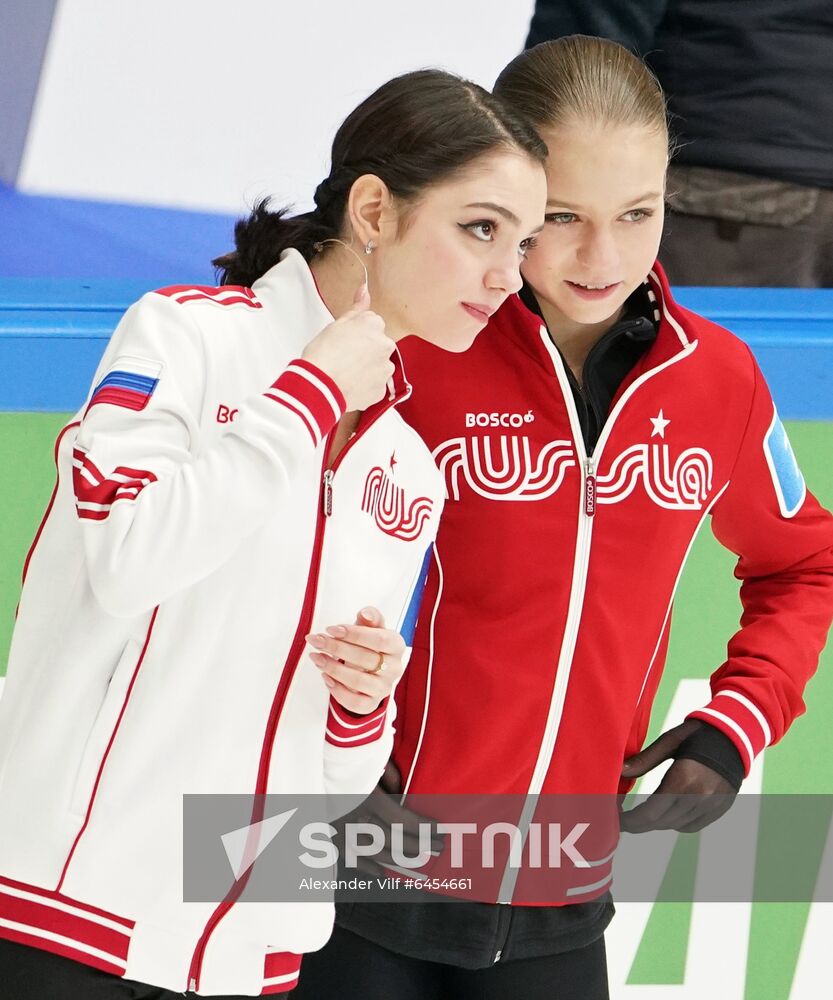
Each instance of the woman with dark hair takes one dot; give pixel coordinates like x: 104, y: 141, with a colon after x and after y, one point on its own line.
x: 238, y: 483
x: 585, y: 439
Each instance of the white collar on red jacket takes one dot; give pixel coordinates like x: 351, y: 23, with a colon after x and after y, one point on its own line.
x: 669, y: 310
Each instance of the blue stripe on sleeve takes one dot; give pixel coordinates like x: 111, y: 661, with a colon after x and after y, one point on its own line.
x: 786, y: 475
x: 128, y: 380
x: 409, y: 622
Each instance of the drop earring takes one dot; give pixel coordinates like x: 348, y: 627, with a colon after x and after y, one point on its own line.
x: 369, y: 248
x: 318, y: 247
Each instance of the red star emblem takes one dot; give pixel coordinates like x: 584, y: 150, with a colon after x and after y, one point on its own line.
x: 393, y: 462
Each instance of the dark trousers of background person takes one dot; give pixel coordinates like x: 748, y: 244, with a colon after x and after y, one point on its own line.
x: 726, y: 228
x: 352, y: 968
x: 32, y: 974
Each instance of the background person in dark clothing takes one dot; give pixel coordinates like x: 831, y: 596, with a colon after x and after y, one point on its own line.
x: 750, y: 88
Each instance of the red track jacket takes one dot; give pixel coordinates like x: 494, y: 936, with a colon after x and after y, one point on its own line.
x: 543, y: 632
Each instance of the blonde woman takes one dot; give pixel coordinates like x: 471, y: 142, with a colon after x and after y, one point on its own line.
x: 585, y: 439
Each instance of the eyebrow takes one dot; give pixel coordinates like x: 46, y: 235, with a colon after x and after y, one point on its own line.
x: 510, y: 216
x: 649, y: 196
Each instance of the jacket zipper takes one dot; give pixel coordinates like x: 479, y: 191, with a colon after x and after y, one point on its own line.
x: 325, y: 509
x: 327, y: 493
x: 584, y: 530
x: 504, y: 925
x: 589, y: 487
x: 587, y: 511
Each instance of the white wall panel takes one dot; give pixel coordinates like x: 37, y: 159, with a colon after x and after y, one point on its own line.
x: 203, y: 104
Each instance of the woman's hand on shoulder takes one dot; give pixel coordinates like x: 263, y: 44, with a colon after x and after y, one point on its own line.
x: 355, y: 352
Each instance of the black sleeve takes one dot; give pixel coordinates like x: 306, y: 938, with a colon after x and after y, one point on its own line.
x: 633, y: 23
x: 710, y: 747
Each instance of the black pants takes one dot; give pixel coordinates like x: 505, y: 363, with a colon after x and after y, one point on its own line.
x: 351, y: 968
x: 31, y: 974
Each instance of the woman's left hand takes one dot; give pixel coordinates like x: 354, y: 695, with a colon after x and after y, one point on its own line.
x: 360, y: 663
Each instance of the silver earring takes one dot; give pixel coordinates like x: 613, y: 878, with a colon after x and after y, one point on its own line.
x: 369, y: 248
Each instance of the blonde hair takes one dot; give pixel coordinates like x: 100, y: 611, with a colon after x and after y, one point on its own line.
x: 587, y: 80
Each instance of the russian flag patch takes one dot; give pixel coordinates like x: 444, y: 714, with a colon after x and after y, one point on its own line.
x: 787, y: 479
x: 130, y: 383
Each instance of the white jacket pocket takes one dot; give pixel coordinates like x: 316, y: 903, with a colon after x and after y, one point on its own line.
x: 104, y: 728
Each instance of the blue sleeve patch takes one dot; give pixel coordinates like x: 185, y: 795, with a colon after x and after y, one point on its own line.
x: 409, y: 622
x: 783, y: 467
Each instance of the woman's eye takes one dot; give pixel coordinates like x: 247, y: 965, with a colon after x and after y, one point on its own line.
x: 526, y: 245
x: 483, y: 230
x: 560, y: 218
x: 637, y: 215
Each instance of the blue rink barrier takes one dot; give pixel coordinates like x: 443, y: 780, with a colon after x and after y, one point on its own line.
x: 53, y: 332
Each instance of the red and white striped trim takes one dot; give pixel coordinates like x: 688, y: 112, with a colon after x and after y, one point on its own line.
x: 311, y: 395
x: 595, y: 887
x: 53, y: 922
x: 95, y: 493
x: 225, y: 295
x: 739, y: 718
x: 346, y: 729
x: 662, y: 293
x: 281, y: 971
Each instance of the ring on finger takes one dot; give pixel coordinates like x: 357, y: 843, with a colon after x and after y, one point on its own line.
x: 380, y: 666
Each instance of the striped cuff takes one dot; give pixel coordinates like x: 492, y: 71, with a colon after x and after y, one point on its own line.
x: 311, y: 395
x: 280, y: 972
x: 739, y: 718
x: 347, y: 729
x: 45, y: 919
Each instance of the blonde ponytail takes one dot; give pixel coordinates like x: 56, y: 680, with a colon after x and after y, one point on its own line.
x: 586, y: 80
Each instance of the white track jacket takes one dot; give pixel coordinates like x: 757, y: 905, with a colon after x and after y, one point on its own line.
x: 193, y: 539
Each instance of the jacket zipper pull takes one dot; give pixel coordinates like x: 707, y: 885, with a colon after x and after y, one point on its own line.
x: 327, y: 494
x: 589, y: 488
